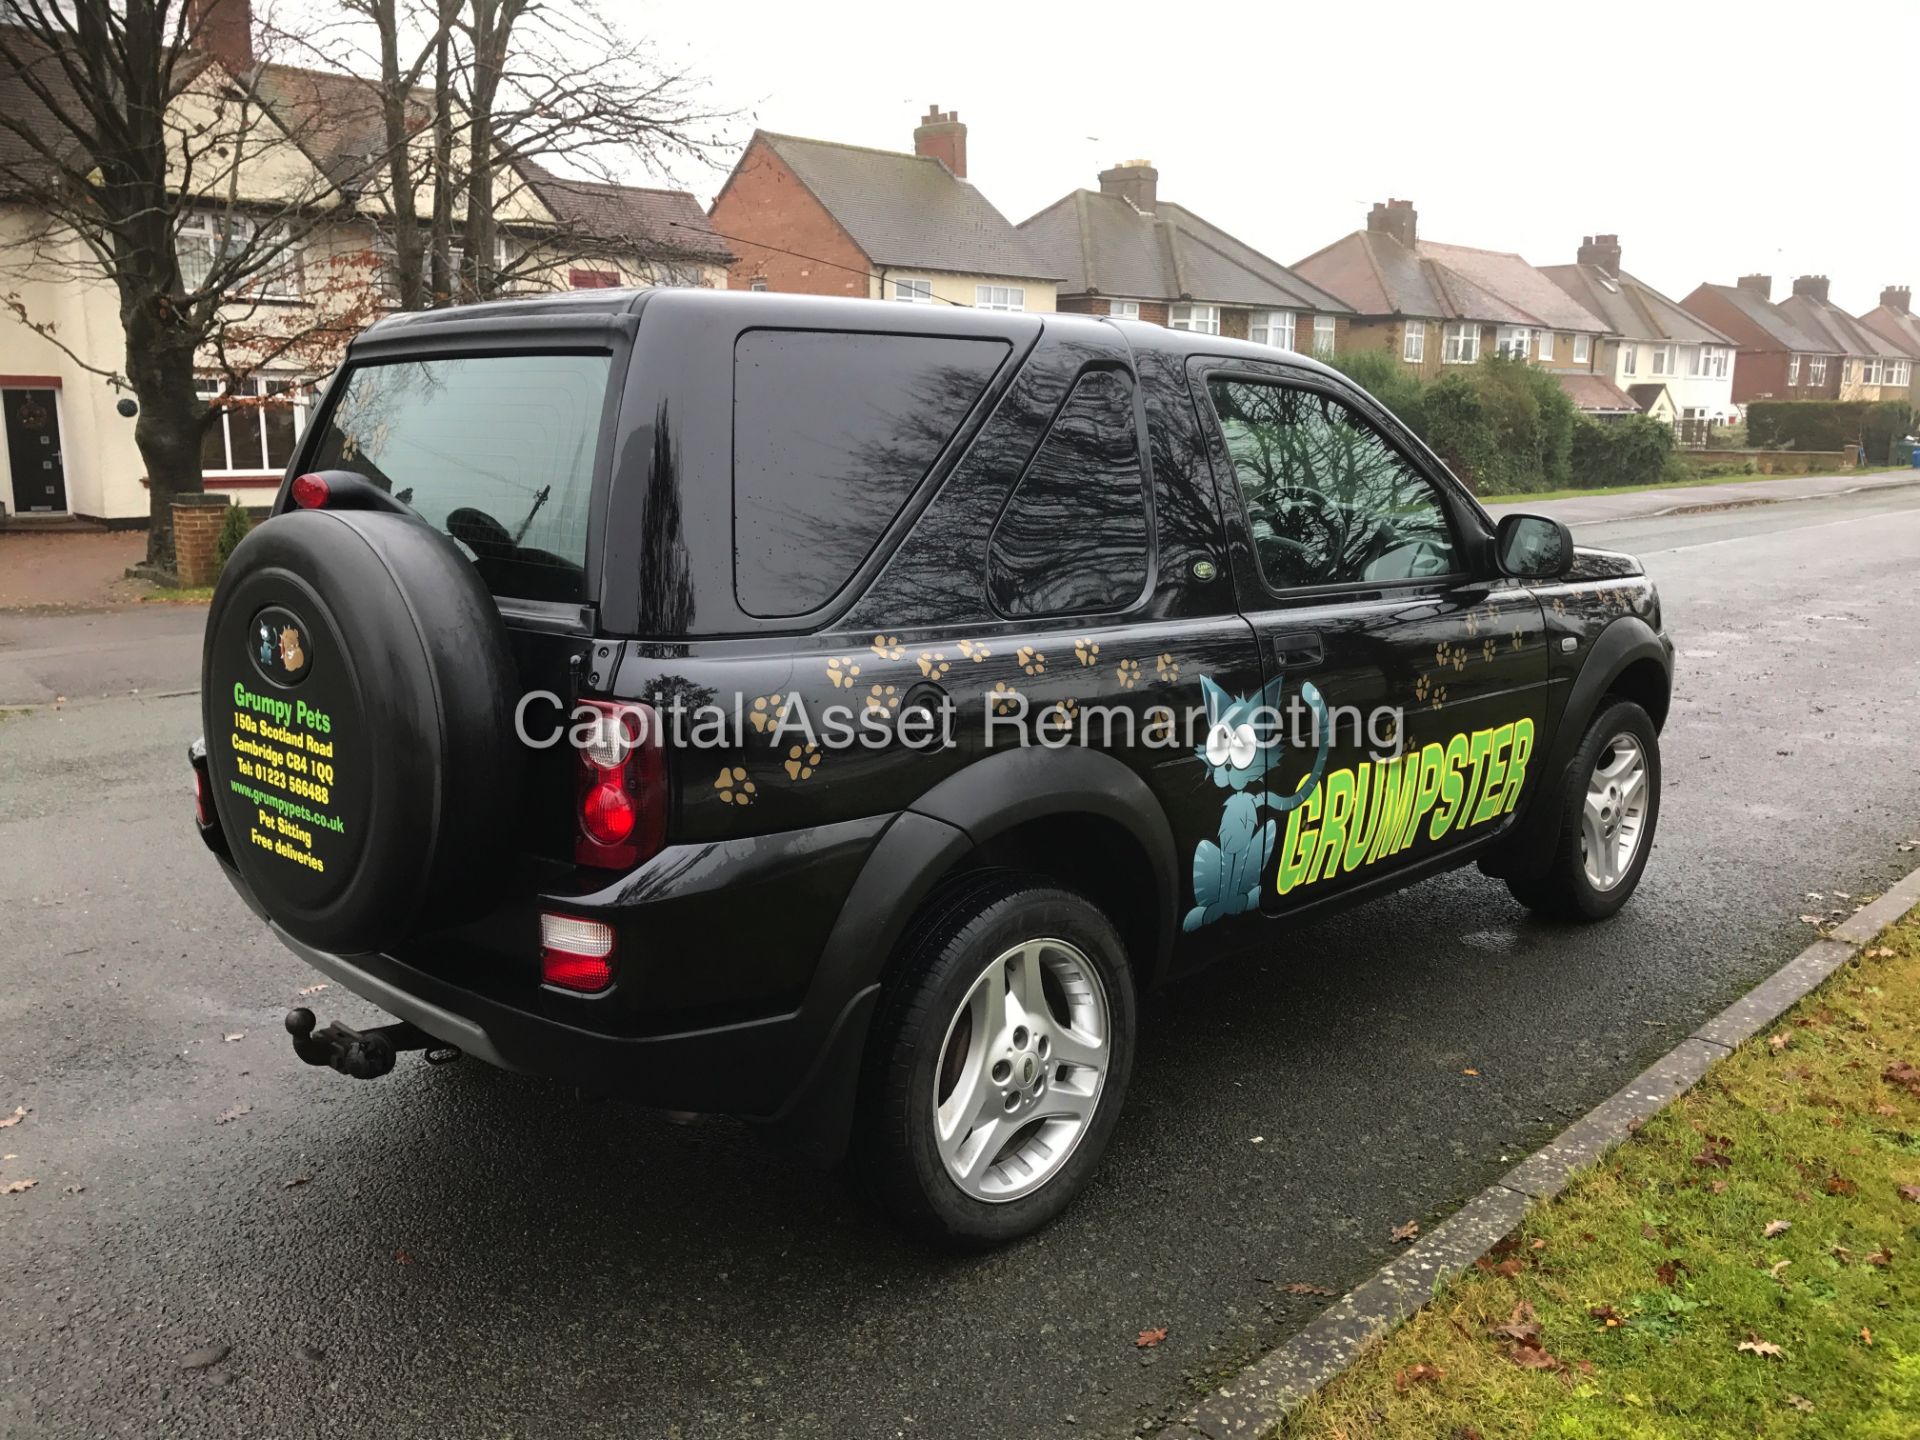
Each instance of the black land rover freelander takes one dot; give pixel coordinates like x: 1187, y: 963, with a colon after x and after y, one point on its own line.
x: 838, y: 714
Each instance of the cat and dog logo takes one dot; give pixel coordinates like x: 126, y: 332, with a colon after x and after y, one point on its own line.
x: 280, y: 649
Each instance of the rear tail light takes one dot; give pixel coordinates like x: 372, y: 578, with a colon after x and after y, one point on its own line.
x: 623, y: 787
x: 200, y: 814
x: 575, y: 954
x: 310, y: 492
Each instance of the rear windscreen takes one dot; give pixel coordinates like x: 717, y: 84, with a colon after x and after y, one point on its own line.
x: 497, y: 451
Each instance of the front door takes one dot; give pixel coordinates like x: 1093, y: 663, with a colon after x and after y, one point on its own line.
x: 1411, y: 689
x: 33, y: 450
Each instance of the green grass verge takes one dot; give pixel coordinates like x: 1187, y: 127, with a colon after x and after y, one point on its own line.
x: 178, y: 595
x: 1777, y: 1204
x: 1534, y: 495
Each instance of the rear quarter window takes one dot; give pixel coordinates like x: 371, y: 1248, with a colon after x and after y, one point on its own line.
x: 832, y: 434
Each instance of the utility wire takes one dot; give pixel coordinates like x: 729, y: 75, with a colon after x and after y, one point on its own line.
x: 812, y: 259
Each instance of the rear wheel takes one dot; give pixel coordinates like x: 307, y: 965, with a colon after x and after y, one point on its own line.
x: 1608, y: 813
x: 999, y: 1062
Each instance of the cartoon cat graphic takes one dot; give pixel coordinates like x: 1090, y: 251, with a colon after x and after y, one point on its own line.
x: 1226, y: 872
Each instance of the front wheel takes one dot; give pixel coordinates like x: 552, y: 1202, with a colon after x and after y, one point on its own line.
x: 1608, y: 813
x: 999, y: 1061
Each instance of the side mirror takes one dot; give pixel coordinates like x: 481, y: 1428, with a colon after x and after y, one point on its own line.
x: 1533, y: 547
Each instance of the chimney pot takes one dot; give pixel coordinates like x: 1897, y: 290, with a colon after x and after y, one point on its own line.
x: 1897, y: 298
x: 224, y: 30
x: 1396, y: 218
x: 1812, y: 286
x: 1602, y: 251
x: 1135, y: 181
x: 1761, y: 285
x: 940, y: 136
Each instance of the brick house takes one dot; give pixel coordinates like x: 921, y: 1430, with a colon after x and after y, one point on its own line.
x: 1124, y: 251
x: 1871, y: 367
x: 1893, y: 321
x: 1776, y: 359
x: 1435, y: 305
x: 815, y: 217
x: 1684, y: 364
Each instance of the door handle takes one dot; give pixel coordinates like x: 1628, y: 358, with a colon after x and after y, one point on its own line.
x: 1299, y: 651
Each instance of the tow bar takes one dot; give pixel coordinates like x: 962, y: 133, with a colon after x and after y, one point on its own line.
x: 363, y: 1054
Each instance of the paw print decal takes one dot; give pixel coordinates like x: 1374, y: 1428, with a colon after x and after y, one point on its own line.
x: 1560, y: 606
x: 888, y: 647
x: 1166, y: 669
x: 1005, y: 699
x: 1488, y: 649
x: 974, y: 650
x: 764, y: 714
x: 933, y: 664
x: 882, y: 699
x: 1422, y: 688
x: 1439, y: 696
x: 1087, y: 652
x: 841, y: 672
x: 1519, y: 638
x: 733, y: 787
x: 1129, y: 673
x: 1062, y: 713
x: 802, y: 761
x: 1445, y: 654
x: 1031, y: 660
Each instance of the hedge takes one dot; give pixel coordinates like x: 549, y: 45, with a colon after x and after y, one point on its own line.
x: 1830, y: 425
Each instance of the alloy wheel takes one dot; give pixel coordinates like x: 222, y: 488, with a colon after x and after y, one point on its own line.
x: 1614, y: 815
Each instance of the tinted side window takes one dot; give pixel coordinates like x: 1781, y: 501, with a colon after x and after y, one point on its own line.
x: 1074, y: 535
x: 832, y: 434
x: 1329, y: 499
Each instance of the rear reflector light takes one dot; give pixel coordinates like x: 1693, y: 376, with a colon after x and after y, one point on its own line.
x: 310, y: 492
x: 622, y: 793
x: 200, y: 800
x: 575, y: 954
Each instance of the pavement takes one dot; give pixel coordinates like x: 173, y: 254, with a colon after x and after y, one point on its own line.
x: 1578, y: 510
x: 460, y: 1252
x: 69, y: 570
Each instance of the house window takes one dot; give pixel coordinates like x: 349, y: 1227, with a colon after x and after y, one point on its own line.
x: 914, y: 292
x: 1816, y: 370
x: 255, y: 429
x: 1323, y: 334
x: 1201, y: 319
x: 1413, y: 342
x: 759, y: 283
x: 1899, y: 372
x: 1582, y: 349
x: 1124, y: 309
x: 1513, y: 341
x: 1663, y: 360
x: 1712, y: 362
x: 581, y: 279
x: 1546, y: 345
x: 1793, y: 369
x: 205, y: 235
x: 999, y: 297
x: 1629, y: 359
x: 1460, y: 343
x: 1271, y: 327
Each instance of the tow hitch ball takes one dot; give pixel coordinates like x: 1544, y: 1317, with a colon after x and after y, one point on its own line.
x: 363, y: 1054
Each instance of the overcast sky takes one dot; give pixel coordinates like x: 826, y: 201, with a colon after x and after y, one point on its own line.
x: 1715, y: 138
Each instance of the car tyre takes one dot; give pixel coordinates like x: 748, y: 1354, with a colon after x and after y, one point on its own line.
x: 1609, y: 807
x: 979, y: 1121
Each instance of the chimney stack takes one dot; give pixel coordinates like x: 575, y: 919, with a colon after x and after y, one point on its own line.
x: 1397, y: 218
x: 1814, y: 286
x: 1135, y: 181
x: 1761, y: 285
x: 1601, y: 250
x: 1897, y: 298
x: 942, y: 137
x: 224, y: 30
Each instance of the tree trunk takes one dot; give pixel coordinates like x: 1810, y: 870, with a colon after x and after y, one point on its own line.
x: 444, y: 280
x: 168, y: 430
x: 408, y: 270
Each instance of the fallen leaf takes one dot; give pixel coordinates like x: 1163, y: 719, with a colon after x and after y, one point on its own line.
x: 1800, y: 1402
x: 1754, y: 1345
x: 1509, y: 1267
x: 1777, y: 1266
x: 1781, y: 1041
x: 1776, y: 1227
x: 1885, y: 1109
x: 1150, y: 1338
x: 1904, y: 1075
x: 296, y: 1180
x: 1813, y: 919
x: 201, y: 1359
x: 1539, y: 1245
x: 1880, y: 952
x: 1718, y: 1187
x: 1881, y: 1258
x: 7, y: 1122
x: 1842, y: 1254
x: 1405, y: 1232
x: 1301, y: 1287
x: 228, y: 1116
x: 236, y: 1035
x: 1608, y: 1317
x: 1910, y: 1192
x: 1259, y: 1140
x: 402, y: 1257
x: 15, y: 1187
x: 1532, y: 1357
x: 1867, y: 1336
x: 1421, y: 1374
x: 1469, y: 1072
x: 313, y: 989
x: 1521, y: 1327
x: 1840, y: 1185
x: 1670, y: 1272
x: 1712, y: 1156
